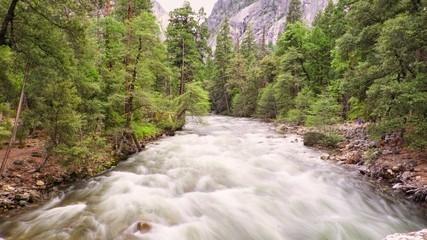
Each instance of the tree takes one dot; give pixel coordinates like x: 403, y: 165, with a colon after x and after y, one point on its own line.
x: 294, y: 12
x: 186, y: 44
x: 219, y: 91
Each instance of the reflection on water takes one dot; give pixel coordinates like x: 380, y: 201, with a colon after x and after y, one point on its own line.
x: 229, y: 179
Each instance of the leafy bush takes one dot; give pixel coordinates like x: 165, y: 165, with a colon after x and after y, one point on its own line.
x: 303, y: 102
x: 266, y: 107
x: 144, y: 130
x: 357, y: 109
x: 328, y: 140
x: 324, y: 111
x: 5, y: 130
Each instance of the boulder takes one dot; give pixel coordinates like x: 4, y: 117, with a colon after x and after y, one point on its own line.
x: 34, y: 196
x: 406, y: 175
x: 363, y: 170
x: 143, y: 227
x: 341, y: 145
x: 18, y: 162
x: 22, y: 196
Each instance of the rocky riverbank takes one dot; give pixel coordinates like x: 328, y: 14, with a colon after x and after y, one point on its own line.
x: 21, y: 186
x: 421, y: 235
x: 386, y: 161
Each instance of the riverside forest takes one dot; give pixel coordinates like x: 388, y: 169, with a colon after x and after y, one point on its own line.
x: 114, y: 127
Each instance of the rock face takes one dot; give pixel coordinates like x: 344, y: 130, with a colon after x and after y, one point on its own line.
x: 162, y: 19
x: 263, y: 15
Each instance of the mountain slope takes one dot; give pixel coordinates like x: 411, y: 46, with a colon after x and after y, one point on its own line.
x: 268, y: 14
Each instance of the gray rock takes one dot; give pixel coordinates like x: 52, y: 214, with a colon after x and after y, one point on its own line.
x: 421, y: 235
x: 23, y: 196
x: 363, y: 170
x: 23, y: 203
x: 34, y: 196
x: 267, y: 16
x: 397, y: 168
x: 18, y: 162
x: 324, y: 157
x: 406, y: 175
x: 412, y: 163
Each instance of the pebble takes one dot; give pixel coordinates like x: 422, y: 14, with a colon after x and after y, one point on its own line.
x: 40, y: 183
x: 397, y: 168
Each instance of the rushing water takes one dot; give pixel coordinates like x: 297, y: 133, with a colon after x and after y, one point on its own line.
x: 229, y: 179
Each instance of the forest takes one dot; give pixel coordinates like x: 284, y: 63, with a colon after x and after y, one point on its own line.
x: 93, y: 79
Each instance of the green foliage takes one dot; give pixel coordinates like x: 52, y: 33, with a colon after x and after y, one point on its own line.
x: 5, y: 131
x: 357, y: 109
x: 143, y: 130
x: 187, y: 44
x: 294, y: 12
x: 324, y: 111
x: 371, y: 155
x: 194, y: 101
x: 322, y: 139
x: 83, y: 157
x: 266, y: 107
x: 303, y: 103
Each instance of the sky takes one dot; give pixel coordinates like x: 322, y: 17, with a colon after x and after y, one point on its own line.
x: 170, y: 5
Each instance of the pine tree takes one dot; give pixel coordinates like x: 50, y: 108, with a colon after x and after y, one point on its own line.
x: 186, y: 42
x: 294, y: 12
x: 219, y: 91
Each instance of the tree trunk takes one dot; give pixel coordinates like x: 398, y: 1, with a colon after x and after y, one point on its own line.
x: 346, y: 105
x: 7, y: 19
x: 15, y: 127
x: 128, y: 97
x: 108, y: 12
x: 181, y: 86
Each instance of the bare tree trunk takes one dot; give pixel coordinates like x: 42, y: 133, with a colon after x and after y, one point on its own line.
x: 15, y: 126
x: 7, y: 19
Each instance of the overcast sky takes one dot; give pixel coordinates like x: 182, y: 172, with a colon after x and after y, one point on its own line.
x: 169, y: 5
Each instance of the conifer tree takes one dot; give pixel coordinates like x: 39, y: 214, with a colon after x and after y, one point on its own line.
x: 294, y: 12
x: 219, y: 90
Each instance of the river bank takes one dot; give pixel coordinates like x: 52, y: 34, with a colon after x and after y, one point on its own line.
x: 22, y: 186
x: 388, y: 161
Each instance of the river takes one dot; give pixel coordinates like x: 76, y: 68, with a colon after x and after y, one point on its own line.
x: 226, y: 179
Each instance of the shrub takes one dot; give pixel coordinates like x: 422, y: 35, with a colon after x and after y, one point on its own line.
x: 144, y: 130
x: 328, y: 140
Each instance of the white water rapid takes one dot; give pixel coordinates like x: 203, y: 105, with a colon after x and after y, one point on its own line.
x: 230, y: 179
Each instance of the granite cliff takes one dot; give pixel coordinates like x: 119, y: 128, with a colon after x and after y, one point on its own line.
x: 263, y: 15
